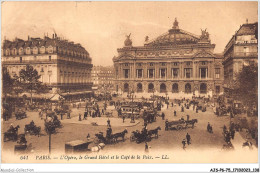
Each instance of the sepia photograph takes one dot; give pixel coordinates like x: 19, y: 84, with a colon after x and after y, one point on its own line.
x: 129, y: 82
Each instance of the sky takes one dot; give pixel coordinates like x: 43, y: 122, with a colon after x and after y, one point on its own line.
x: 101, y: 27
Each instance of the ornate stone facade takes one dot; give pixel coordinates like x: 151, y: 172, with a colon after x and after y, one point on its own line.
x: 176, y: 63
x: 242, y: 49
x: 64, y: 66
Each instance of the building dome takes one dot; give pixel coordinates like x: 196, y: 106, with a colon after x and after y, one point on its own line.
x: 174, y: 36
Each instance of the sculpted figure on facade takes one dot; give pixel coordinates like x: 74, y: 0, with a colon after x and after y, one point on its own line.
x: 204, y: 35
x: 128, y: 41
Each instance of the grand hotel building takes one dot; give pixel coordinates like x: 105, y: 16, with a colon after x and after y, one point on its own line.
x: 64, y: 66
x: 177, y: 64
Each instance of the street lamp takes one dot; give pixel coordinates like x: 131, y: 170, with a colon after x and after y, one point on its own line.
x: 132, y: 116
x: 50, y: 129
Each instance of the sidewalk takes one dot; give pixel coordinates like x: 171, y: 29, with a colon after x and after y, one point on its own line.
x: 101, y: 121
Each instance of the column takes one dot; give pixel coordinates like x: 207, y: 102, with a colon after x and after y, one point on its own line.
x: 200, y: 73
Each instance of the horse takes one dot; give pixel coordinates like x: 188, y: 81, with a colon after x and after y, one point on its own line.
x: 12, y: 134
x: 192, y: 122
x: 154, y: 131
x: 139, y: 137
x: 119, y: 135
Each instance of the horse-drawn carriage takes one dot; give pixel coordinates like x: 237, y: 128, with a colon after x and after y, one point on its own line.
x: 76, y: 146
x: 110, y: 138
x: 221, y: 111
x: 180, y: 124
x: 20, y: 114
x: 32, y: 129
x: 144, y: 135
x: 149, y: 115
x: 11, y: 134
x: 129, y: 110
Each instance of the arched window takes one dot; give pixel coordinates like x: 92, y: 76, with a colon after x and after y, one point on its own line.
x: 175, y: 88
x: 42, y: 50
x: 150, y: 88
x: 14, y: 52
x: 7, y: 52
x: 21, y: 51
x: 139, y: 87
x: 35, y: 50
x: 28, y: 50
x: 203, y: 88
x: 187, y: 88
x: 126, y: 87
x: 162, y: 88
x: 50, y: 49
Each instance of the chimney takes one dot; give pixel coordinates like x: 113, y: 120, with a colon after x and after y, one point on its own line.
x: 28, y: 38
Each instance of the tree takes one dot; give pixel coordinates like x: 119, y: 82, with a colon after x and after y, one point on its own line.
x: 8, y: 83
x: 246, y: 85
x: 30, y: 81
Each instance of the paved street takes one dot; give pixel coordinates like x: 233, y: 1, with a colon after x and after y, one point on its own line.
x: 171, y: 140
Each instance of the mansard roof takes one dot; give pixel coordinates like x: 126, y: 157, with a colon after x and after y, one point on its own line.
x: 46, y: 41
x: 247, y: 29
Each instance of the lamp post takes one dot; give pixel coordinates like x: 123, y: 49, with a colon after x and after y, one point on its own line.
x: 50, y: 129
x: 132, y: 116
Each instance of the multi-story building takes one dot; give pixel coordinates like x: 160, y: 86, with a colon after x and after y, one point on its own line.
x: 102, y: 76
x: 242, y: 49
x: 64, y: 66
x: 177, y: 64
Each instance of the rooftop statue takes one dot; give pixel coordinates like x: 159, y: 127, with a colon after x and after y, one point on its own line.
x: 204, y: 35
x: 146, y: 39
x: 128, y: 41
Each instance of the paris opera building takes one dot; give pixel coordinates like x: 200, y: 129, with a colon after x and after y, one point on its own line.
x: 175, y: 64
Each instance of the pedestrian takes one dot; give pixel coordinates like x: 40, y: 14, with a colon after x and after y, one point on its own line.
x: 188, y: 117
x: 61, y: 115
x: 123, y: 119
x: 108, y: 122
x: 102, y: 111
x: 79, y: 117
x: 232, y: 133
x: 183, y: 143
x: 146, y: 148
x: 163, y: 116
x: 172, y: 104
x: 197, y: 110
x: 175, y: 113
x: 88, y: 137
x: 68, y: 115
x: 166, y: 125
x: 85, y: 115
x: 188, y: 138
x: 182, y: 108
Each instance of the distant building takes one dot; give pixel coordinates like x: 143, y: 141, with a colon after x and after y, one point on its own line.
x: 102, y: 76
x: 64, y: 66
x: 242, y: 49
x: 177, y: 64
